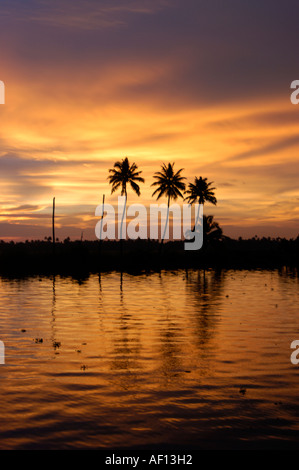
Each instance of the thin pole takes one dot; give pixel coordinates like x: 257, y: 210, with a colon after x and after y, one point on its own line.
x: 102, y: 217
x: 101, y: 230
x: 53, y: 224
x: 121, y: 227
x: 162, y: 241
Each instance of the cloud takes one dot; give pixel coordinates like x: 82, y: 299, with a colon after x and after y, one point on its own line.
x: 204, y: 84
x: 78, y: 14
x: 271, y: 148
x: 24, y: 207
x: 220, y: 51
x: 23, y: 216
x: 226, y: 184
x: 12, y: 164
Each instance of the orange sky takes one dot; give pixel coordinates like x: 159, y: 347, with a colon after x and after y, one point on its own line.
x: 88, y: 84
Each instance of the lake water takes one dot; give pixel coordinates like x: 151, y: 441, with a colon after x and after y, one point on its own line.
x: 174, y: 360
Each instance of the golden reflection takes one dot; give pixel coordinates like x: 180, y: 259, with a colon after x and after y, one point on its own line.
x: 190, y: 349
x: 53, y: 316
x: 206, y: 291
x: 171, y: 353
x: 126, y: 341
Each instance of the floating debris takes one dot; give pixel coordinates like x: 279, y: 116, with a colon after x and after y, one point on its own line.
x: 38, y: 340
x: 56, y: 344
x: 83, y: 367
x: 242, y: 390
x: 23, y: 331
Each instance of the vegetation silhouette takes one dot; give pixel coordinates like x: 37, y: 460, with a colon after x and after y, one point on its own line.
x: 81, y: 257
x: 211, y: 229
x: 123, y: 174
x: 201, y: 192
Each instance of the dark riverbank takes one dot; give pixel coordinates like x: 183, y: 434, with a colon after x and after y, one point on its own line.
x: 38, y: 257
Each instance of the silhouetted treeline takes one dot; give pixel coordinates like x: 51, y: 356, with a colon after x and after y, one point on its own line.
x: 37, y: 257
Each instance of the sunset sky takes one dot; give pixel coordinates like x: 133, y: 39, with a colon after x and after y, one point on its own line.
x: 202, y: 83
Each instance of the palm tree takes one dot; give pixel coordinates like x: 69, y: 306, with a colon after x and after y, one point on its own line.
x: 211, y: 228
x: 122, y: 174
x: 170, y: 184
x: 200, y: 191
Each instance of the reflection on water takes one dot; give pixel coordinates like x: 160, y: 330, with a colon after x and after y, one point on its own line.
x: 187, y: 359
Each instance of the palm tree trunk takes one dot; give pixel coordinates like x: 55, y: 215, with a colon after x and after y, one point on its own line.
x: 101, y: 229
x: 121, y: 225
x: 123, y: 215
x: 167, y: 216
x: 197, y: 217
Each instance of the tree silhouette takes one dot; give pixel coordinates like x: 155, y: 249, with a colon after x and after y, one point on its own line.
x: 170, y: 184
x: 122, y: 174
x: 200, y: 191
x: 211, y: 228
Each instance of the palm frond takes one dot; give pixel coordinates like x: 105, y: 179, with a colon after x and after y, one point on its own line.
x: 168, y: 182
x: 124, y: 173
x: 200, y: 191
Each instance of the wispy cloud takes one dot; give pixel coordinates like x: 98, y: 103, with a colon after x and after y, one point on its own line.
x: 269, y: 149
x: 204, y: 84
x: 76, y: 14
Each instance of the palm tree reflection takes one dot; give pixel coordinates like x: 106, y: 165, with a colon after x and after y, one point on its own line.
x: 170, y: 335
x: 204, y: 303
x: 127, y: 343
x: 55, y: 343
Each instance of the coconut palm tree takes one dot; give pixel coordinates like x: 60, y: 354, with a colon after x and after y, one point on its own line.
x: 211, y: 228
x: 200, y: 191
x: 122, y: 174
x: 170, y: 184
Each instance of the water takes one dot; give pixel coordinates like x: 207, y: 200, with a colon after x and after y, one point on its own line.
x: 174, y: 360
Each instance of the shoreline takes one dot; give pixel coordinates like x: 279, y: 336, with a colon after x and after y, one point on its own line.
x: 84, y: 257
